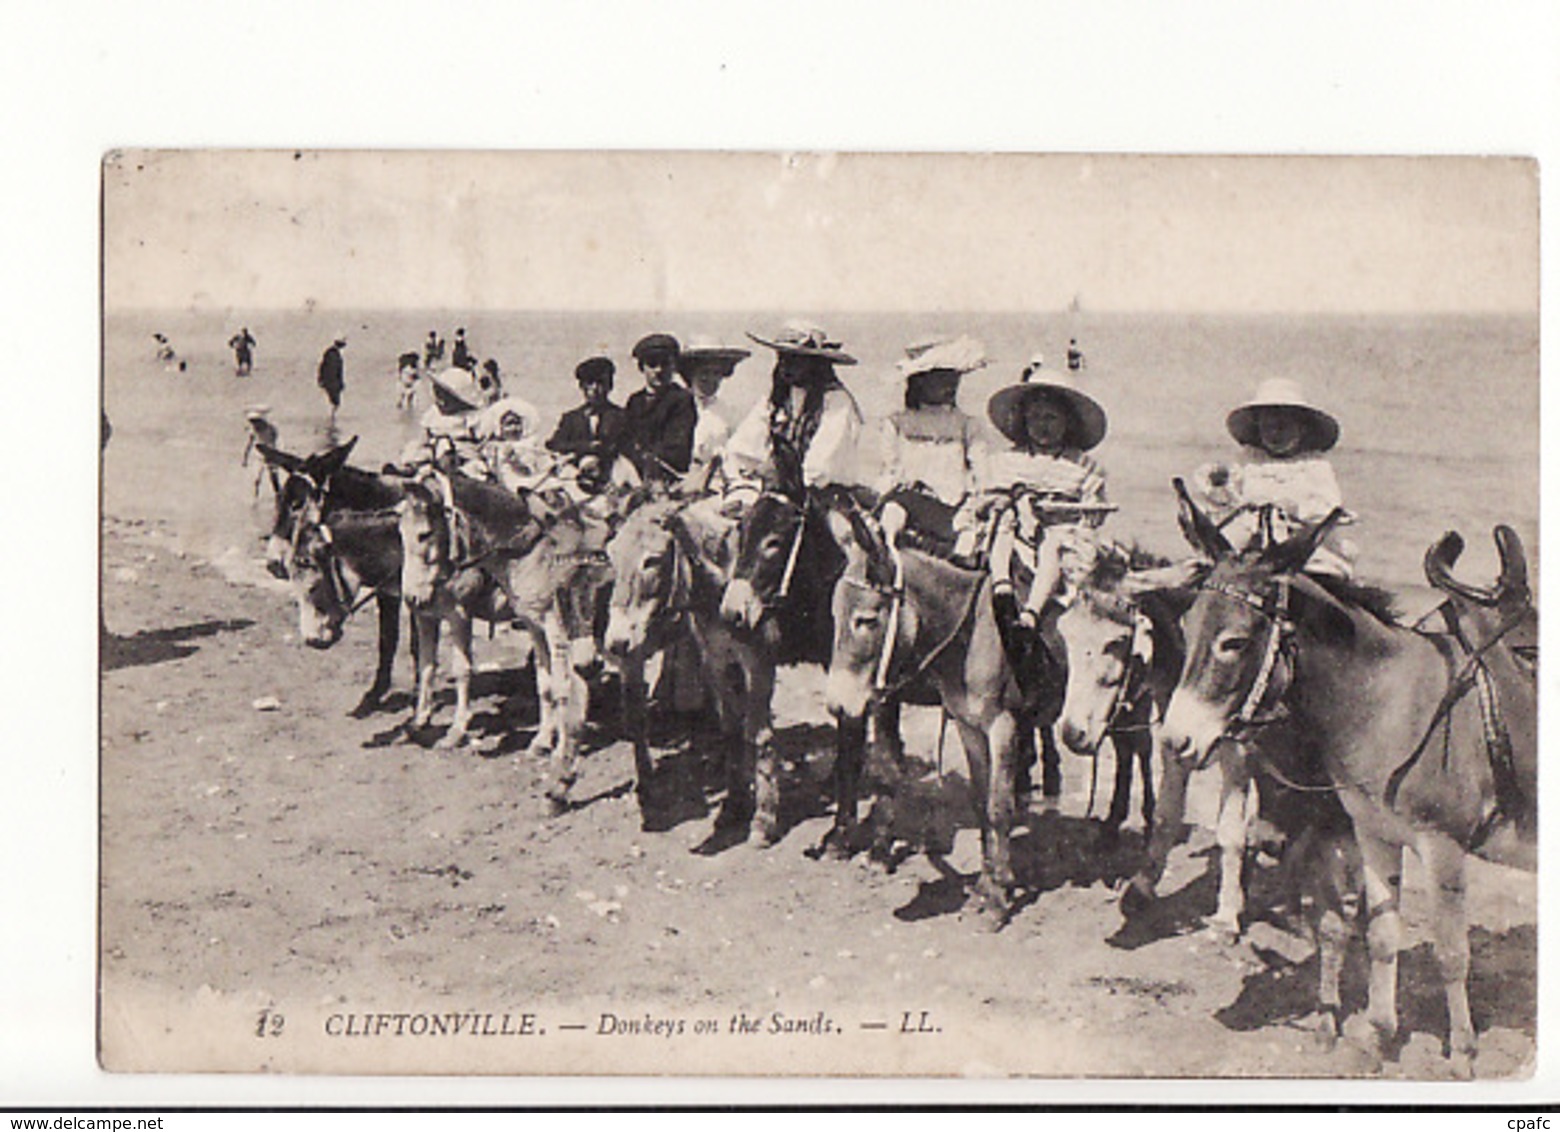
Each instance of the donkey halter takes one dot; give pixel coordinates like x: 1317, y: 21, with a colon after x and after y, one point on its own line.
x: 335, y: 577
x: 800, y: 510
x: 1280, y: 641
x: 1132, y: 688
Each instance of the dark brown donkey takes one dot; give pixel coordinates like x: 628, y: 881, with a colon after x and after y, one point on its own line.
x: 335, y: 537
x: 1429, y: 746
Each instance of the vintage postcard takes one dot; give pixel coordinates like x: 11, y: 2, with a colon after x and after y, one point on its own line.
x: 819, y: 672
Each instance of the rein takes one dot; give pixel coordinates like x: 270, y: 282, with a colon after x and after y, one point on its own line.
x: 1473, y: 674
x: 340, y: 590
x: 1133, y: 685
x: 1497, y: 740
x: 896, y: 595
x: 794, y: 553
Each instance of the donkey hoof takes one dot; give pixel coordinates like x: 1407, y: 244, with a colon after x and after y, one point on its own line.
x: 1324, y: 1033
x: 1137, y: 898
x: 1224, y: 932
x: 992, y: 909
x: 554, y: 805
x: 1460, y: 1065
x: 537, y: 749
x: 367, y: 706
x: 1367, y: 1041
x: 733, y: 814
x: 763, y: 834
x: 452, y: 741
x: 836, y: 844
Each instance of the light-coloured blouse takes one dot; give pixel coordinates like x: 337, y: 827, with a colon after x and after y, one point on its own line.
x: 936, y: 445
x: 831, y: 457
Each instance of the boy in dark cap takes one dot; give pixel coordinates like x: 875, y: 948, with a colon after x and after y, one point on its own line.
x: 660, y: 418
x: 592, y: 434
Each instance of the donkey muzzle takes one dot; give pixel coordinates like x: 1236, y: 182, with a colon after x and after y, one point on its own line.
x: 740, y: 605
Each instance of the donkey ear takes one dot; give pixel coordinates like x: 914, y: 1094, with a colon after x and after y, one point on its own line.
x: 1295, y: 551
x: 1176, y: 576
x: 330, y: 463
x: 277, y: 458
x: 844, y: 532
x: 1201, y: 531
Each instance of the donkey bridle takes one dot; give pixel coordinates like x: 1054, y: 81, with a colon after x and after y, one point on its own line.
x: 1473, y: 674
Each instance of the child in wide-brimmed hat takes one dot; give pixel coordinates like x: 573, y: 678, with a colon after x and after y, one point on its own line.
x: 808, y: 411
x: 1049, y: 493
x: 1286, y: 480
x: 448, y: 425
x: 932, y: 450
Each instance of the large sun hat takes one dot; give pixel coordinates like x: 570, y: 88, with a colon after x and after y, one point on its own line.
x: 1006, y: 407
x: 1319, y: 427
x: 962, y: 355
x: 455, y: 390
x: 801, y: 337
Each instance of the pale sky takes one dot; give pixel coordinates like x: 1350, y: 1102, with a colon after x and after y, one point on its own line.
x: 707, y: 231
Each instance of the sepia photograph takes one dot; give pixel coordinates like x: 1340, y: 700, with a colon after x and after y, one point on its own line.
x: 777, y: 614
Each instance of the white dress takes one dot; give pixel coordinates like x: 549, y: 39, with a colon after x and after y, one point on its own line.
x: 832, y: 456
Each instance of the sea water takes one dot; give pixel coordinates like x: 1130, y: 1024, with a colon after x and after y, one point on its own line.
x: 1439, y: 413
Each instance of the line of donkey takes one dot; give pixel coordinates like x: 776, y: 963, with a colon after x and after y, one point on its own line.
x: 1356, y: 736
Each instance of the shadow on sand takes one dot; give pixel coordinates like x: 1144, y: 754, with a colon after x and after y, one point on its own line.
x: 1502, y: 986
x: 154, y: 646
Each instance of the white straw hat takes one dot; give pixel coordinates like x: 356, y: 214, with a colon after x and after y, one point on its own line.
x: 1006, y: 407
x: 1319, y: 426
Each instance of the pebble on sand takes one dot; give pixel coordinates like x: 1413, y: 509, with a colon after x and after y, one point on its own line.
x: 267, y: 703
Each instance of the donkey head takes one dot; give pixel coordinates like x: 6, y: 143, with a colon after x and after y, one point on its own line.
x: 863, y: 606
x: 308, y: 477
x: 426, y: 550
x: 651, y: 579
x: 1236, y: 626
x: 318, y: 579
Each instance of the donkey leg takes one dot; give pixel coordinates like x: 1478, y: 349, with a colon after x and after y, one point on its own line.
x: 1174, y: 772
x: 389, y: 642
x: 1124, y: 749
x: 887, y: 732
x: 1001, y: 802
x: 636, y: 724
x: 1236, y: 808
x: 546, y: 726
x: 849, y: 749
x: 460, y: 664
x: 1383, y: 864
x: 557, y: 705
x: 765, y: 829
x: 425, y: 626
x: 1445, y: 864
x: 1330, y: 881
x: 1050, y: 765
x: 736, y: 809
x: 980, y: 752
x: 1144, y: 756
